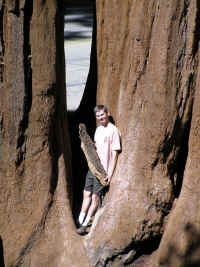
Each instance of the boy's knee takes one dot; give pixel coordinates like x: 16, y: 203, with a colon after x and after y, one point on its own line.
x: 95, y: 198
x: 87, y: 194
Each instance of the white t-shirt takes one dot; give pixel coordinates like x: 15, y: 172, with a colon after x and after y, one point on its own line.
x: 107, y: 139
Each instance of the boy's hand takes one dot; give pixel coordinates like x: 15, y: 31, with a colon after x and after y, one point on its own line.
x: 107, y: 179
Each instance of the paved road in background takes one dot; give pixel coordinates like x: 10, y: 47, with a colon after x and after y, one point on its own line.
x: 78, y: 33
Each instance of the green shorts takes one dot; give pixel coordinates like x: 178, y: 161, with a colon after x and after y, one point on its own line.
x: 92, y: 184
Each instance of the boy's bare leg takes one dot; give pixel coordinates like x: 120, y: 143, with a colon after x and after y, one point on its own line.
x: 92, y: 209
x: 87, y: 198
x: 94, y: 205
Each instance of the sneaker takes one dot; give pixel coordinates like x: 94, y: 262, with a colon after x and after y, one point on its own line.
x: 82, y: 230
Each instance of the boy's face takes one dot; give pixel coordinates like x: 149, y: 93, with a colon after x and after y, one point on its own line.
x: 102, y: 117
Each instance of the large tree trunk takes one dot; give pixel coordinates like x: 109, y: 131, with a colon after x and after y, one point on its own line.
x: 147, y: 58
x: 36, y: 225
x: 180, y: 243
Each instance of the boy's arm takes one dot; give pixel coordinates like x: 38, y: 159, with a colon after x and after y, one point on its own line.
x: 113, y: 165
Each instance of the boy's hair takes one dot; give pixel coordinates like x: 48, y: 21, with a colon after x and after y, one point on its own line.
x: 100, y: 108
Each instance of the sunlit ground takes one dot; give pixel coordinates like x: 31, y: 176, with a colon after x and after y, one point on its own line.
x: 78, y: 33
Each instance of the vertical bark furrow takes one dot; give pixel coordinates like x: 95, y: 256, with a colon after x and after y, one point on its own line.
x: 2, y: 52
x: 196, y: 30
x: 143, y: 65
x: 2, y: 45
x: 23, y: 124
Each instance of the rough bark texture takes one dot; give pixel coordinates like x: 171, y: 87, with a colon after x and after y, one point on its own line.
x: 147, y: 54
x: 146, y: 58
x: 36, y: 225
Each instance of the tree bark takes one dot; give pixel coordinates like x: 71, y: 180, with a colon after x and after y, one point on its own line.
x: 145, y: 68
x: 36, y: 224
x: 147, y: 58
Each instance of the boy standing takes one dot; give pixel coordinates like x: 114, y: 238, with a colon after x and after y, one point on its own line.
x: 107, y: 141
